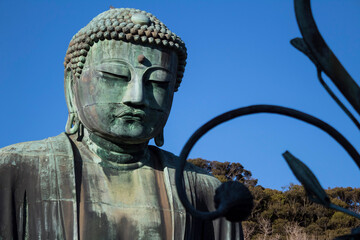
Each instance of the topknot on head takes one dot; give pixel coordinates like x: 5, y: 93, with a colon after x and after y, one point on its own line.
x: 124, y: 24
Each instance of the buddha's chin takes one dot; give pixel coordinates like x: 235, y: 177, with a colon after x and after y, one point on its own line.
x: 129, y: 133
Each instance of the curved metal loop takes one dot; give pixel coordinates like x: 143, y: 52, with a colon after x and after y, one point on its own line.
x: 243, y: 112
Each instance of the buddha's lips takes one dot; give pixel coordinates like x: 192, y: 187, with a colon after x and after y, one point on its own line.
x: 132, y: 115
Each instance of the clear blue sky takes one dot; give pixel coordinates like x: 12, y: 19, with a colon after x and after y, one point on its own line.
x: 239, y: 55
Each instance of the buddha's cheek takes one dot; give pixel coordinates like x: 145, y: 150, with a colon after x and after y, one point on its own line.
x: 161, y: 100
x: 96, y: 118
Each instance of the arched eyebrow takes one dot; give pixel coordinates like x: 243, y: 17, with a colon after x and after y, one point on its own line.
x: 116, y: 67
x: 115, y: 60
x: 111, y: 61
x: 123, y: 61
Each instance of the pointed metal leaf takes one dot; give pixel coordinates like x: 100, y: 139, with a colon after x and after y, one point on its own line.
x: 300, y: 45
x: 312, y: 186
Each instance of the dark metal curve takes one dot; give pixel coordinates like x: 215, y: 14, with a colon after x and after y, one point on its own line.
x: 337, y: 100
x: 242, y: 112
x: 323, y: 55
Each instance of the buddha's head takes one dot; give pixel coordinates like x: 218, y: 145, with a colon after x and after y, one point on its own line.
x: 121, y: 72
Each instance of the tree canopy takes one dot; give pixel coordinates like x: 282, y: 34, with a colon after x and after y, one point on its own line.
x: 226, y: 171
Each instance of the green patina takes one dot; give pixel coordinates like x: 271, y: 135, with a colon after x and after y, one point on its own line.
x: 121, y: 99
x: 101, y: 180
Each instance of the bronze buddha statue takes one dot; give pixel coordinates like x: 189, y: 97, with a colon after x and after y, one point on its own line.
x: 101, y: 179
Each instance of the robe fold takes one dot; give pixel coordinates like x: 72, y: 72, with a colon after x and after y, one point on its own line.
x: 39, y: 200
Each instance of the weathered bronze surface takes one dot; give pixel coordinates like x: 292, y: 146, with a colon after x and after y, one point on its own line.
x: 100, y: 179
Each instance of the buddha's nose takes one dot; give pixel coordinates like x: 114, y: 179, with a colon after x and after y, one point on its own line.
x: 134, y: 93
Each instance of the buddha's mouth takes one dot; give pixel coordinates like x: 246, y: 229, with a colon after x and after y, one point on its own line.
x: 136, y: 115
x: 132, y: 118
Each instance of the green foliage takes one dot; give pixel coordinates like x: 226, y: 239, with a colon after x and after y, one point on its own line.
x: 225, y: 171
x: 288, y: 214
x: 341, y: 220
x: 292, y: 216
x: 350, y: 196
x: 278, y: 226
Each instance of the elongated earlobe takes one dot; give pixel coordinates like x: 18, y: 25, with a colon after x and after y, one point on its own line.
x: 73, y: 121
x: 159, y: 139
x: 72, y: 124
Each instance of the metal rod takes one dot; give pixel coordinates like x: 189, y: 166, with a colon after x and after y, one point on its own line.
x: 337, y: 100
x: 323, y: 55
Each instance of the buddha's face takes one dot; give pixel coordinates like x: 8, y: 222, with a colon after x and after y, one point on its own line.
x: 125, y: 91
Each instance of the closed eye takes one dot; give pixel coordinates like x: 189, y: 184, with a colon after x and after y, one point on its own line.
x: 113, y: 75
x: 159, y: 81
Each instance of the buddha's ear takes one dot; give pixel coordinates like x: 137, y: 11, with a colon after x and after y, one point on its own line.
x: 73, y: 121
x: 69, y: 90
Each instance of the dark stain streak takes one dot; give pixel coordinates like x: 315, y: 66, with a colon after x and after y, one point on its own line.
x: 13, y: 213
x: 25, y: 216
x: 129, y: 233
x: 78, y: 180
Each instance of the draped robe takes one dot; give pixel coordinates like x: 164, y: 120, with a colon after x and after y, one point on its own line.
x: 39, y: 194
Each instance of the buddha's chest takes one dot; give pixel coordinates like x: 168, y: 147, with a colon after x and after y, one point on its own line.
x: 126, y: 204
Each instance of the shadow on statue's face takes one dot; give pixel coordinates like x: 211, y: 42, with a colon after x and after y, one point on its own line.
x: 122, y: 96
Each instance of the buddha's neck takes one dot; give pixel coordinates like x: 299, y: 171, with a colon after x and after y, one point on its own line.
x: 117, y: 153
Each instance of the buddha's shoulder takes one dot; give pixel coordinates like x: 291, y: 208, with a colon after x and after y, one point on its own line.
x: 35, y: 149
x: 170, y: 160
